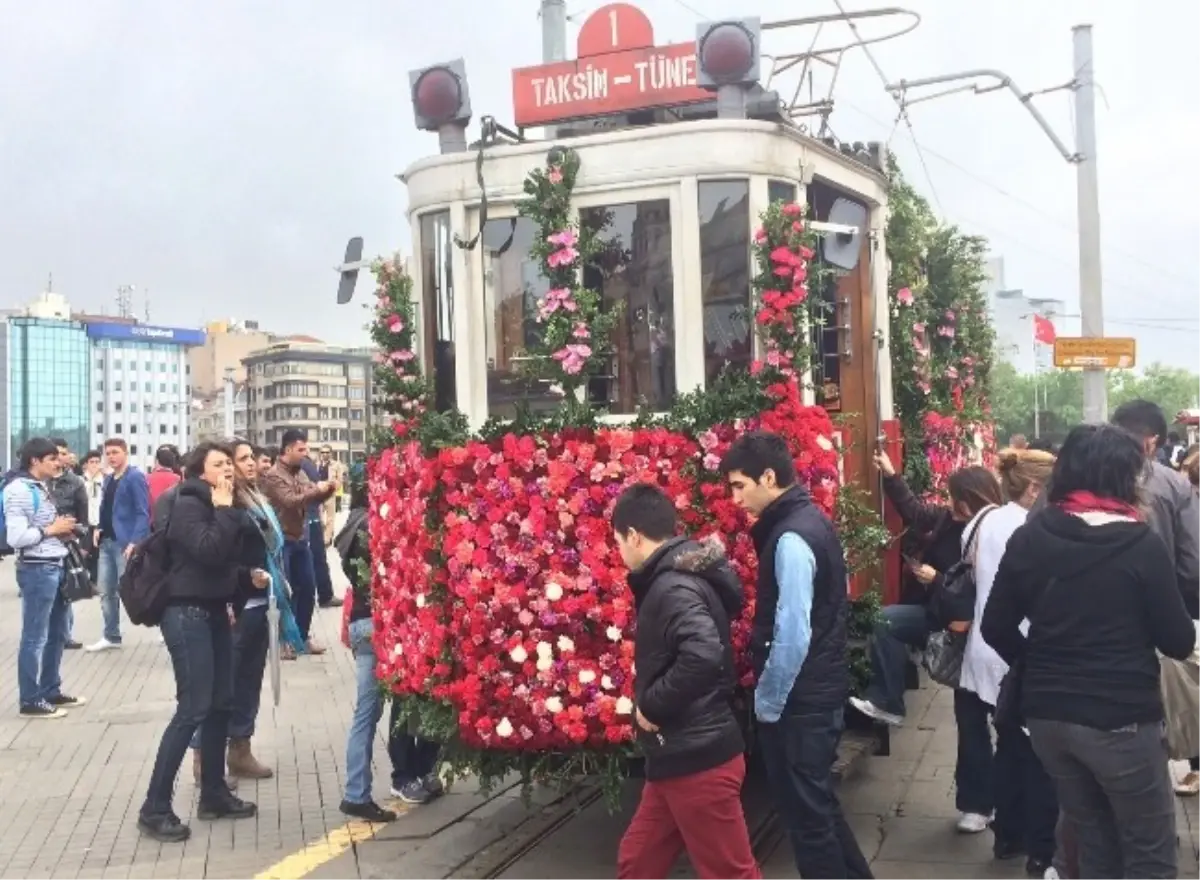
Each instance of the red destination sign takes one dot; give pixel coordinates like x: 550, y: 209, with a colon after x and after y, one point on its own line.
x: 619, y: 70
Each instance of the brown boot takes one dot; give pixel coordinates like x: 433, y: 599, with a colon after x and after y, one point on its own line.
x: 230, y: 782
x: 243, y: 763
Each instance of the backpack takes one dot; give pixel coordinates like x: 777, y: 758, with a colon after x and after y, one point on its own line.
x: 144, y: 587
x: 11, y: 477
x: 954, y: 598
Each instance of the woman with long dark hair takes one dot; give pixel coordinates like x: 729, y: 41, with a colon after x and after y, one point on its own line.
x: 1098, y: 590
x: 205, y: 534
x: 932, y: 545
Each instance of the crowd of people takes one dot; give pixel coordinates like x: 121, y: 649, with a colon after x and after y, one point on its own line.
x: 241, y: 529
x: 1059, y: 579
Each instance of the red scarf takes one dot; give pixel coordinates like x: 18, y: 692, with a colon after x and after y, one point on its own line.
x: 1086, y: 502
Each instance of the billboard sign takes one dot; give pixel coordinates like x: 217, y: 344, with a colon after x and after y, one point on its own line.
x: 618, y: 70
x: 145, y: 333
x: 1106, y: 353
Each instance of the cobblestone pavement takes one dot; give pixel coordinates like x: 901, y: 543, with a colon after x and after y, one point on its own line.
x: 70, y: 789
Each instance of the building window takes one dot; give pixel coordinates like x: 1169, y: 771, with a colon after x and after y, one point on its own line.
x: 162, y: 429
x: 357, y: 393
x: 513, y: 287
x: 356, y: 435
x: 117, y: 386
x: 162, y: 387
x: 132, y: 407
x: 725, y: 274
x: 117, y: 427
x: 174, y: 367
x: 437, y: 307
x: 132, y: 427
x: 133, y: 448
x: 117, y: 364
x: 634, y: 269
x: 99, y: 406
x: 149, y: 367
x: 117, y: 406
x: 781, y: 191
x: 149, y: 387
x: 100, y: 363
x: 100, y: 385
x: 356, y: 371
x: 100, y: 429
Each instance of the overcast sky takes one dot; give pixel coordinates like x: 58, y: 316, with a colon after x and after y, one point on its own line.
x: 220, y: 154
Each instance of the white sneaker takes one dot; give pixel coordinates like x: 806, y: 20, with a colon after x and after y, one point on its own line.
x: 102, y: 645
x: 872, y: 711
x: 1051, y: 874
x: 973, y: 823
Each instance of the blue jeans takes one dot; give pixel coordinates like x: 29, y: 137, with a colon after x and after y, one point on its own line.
x: 110, y: 568
x: 798, y: 752
x: 368, y: 709
x: 298, y: 568
x: 901, y: 627
x: 251, y: 639
x: 201, y: 649
x: 320, y: 558
x: 43, y: 631
x: 974, y: 773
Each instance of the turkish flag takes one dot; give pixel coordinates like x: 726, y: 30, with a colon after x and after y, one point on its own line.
x: 1043, y: 330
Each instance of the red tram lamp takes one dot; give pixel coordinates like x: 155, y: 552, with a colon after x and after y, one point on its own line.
x: 442, y: 103
x: 728, y: 61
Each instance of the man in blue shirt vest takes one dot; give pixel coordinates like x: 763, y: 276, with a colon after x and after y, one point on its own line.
x: 798, y: 646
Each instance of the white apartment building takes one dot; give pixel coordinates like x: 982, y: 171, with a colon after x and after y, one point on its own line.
x: 1012, y: 314
x: 141, y: 386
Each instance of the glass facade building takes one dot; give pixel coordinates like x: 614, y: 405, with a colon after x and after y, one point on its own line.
x: 48, y: 387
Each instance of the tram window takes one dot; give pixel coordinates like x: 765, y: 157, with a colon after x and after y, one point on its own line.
x: 780, y: 191
x: 635, y: 270
x: 512, y: 287
x: 437, y: 304
x: 725, y: 274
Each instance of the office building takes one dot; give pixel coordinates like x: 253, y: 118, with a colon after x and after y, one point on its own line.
x: 299, y: 382
x: 209, y: 415
x: 141, y: 385
x: 46, y: 382
x: 1012, y: 314
x: 226, y: 343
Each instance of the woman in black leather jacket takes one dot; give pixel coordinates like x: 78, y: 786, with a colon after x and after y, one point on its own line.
x: 204, y: 535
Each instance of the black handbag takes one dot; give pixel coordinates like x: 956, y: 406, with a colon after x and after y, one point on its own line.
x: 76, y: 584
x: 943, y: 657
x: 1012, y: 686
x: 954, y: 598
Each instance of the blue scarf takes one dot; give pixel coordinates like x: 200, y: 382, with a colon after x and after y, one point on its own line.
x: 268, y: 523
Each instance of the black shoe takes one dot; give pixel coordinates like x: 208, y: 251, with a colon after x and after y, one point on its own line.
x: 42, y: 709
x: 370, y: 811
x: 166, y: 828
x: 73, y: 645
x: 1003, y: 850
x: 226, y: 805
x: 67, y: 702
x: 335, y: 602
x: 1037, y: 867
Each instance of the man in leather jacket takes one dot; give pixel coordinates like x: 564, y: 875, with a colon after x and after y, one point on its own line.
x: 685, y: 594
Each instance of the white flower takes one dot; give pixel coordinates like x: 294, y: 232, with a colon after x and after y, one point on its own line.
x: 553, y: 592
x: 384, y: 510
x: 504, y: 728
x: 614, y: 633
x: 624, y: 706
x: 606, y: 683
x: 824, y: 442
x: 544, y: 664
x: 554, y: 705
x: 397, y: 650
x: 586, y: 676
x: 544, y: 649
x: 382, y: 569
x: 420, y: 600
x: 518, y: 654
x: 565, y: 645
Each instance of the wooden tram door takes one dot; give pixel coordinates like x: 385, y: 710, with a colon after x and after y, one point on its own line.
x: 849, y: 354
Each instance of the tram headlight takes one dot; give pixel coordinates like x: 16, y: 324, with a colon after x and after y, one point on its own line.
x: 727, y: 53
x: 440, y: 95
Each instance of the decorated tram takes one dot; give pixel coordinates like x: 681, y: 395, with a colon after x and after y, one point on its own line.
x: 675, y: 260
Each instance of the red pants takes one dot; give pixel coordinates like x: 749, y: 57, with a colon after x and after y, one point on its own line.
x: 702, y: 813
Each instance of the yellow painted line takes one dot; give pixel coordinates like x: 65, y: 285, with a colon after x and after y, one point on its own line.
x: 329, y: 847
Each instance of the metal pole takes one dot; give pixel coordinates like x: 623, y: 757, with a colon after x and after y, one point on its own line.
x: 1091, y: 293
x: 554, y: 39
x: 229, y: 429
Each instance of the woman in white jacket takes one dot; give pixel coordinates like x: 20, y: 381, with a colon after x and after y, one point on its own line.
x: 1026, y: 806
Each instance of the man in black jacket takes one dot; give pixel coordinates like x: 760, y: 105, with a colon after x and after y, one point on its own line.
x: 799, y: 650
x: 70, y: 499
x: 685, y: 594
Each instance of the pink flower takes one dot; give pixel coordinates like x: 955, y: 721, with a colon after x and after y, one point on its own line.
x: 919, y: 327
x: 792, y: 209
x: 581, y: 331
x: 946, y: 330
x: 402, y: 356
x: 760, y: 235
x: 564, y: 238
x: 950, y: 316
x: 904, y: 296
x: 951, y: 373
x: 555, y: 299
x: 924, y: 386
x: 555, y: 175
x: 573, y: 357
x: 395, y: 325
x: 564, y: 257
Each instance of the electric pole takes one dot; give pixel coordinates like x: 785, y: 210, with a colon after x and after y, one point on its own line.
x: 1082, y: 84
x: 554, y: 38
x: 1091, y: 293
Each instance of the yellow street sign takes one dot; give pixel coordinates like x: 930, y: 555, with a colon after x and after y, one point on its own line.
x: 1106, y: 353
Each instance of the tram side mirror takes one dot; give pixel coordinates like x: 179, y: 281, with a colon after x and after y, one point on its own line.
x: 440, y: 96
x: 727, y: 53
x: 349, y: 270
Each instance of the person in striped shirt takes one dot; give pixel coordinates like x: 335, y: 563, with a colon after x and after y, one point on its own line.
x: 35, y: 530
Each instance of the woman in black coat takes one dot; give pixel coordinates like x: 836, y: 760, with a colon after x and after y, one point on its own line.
x: 204, y: 535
